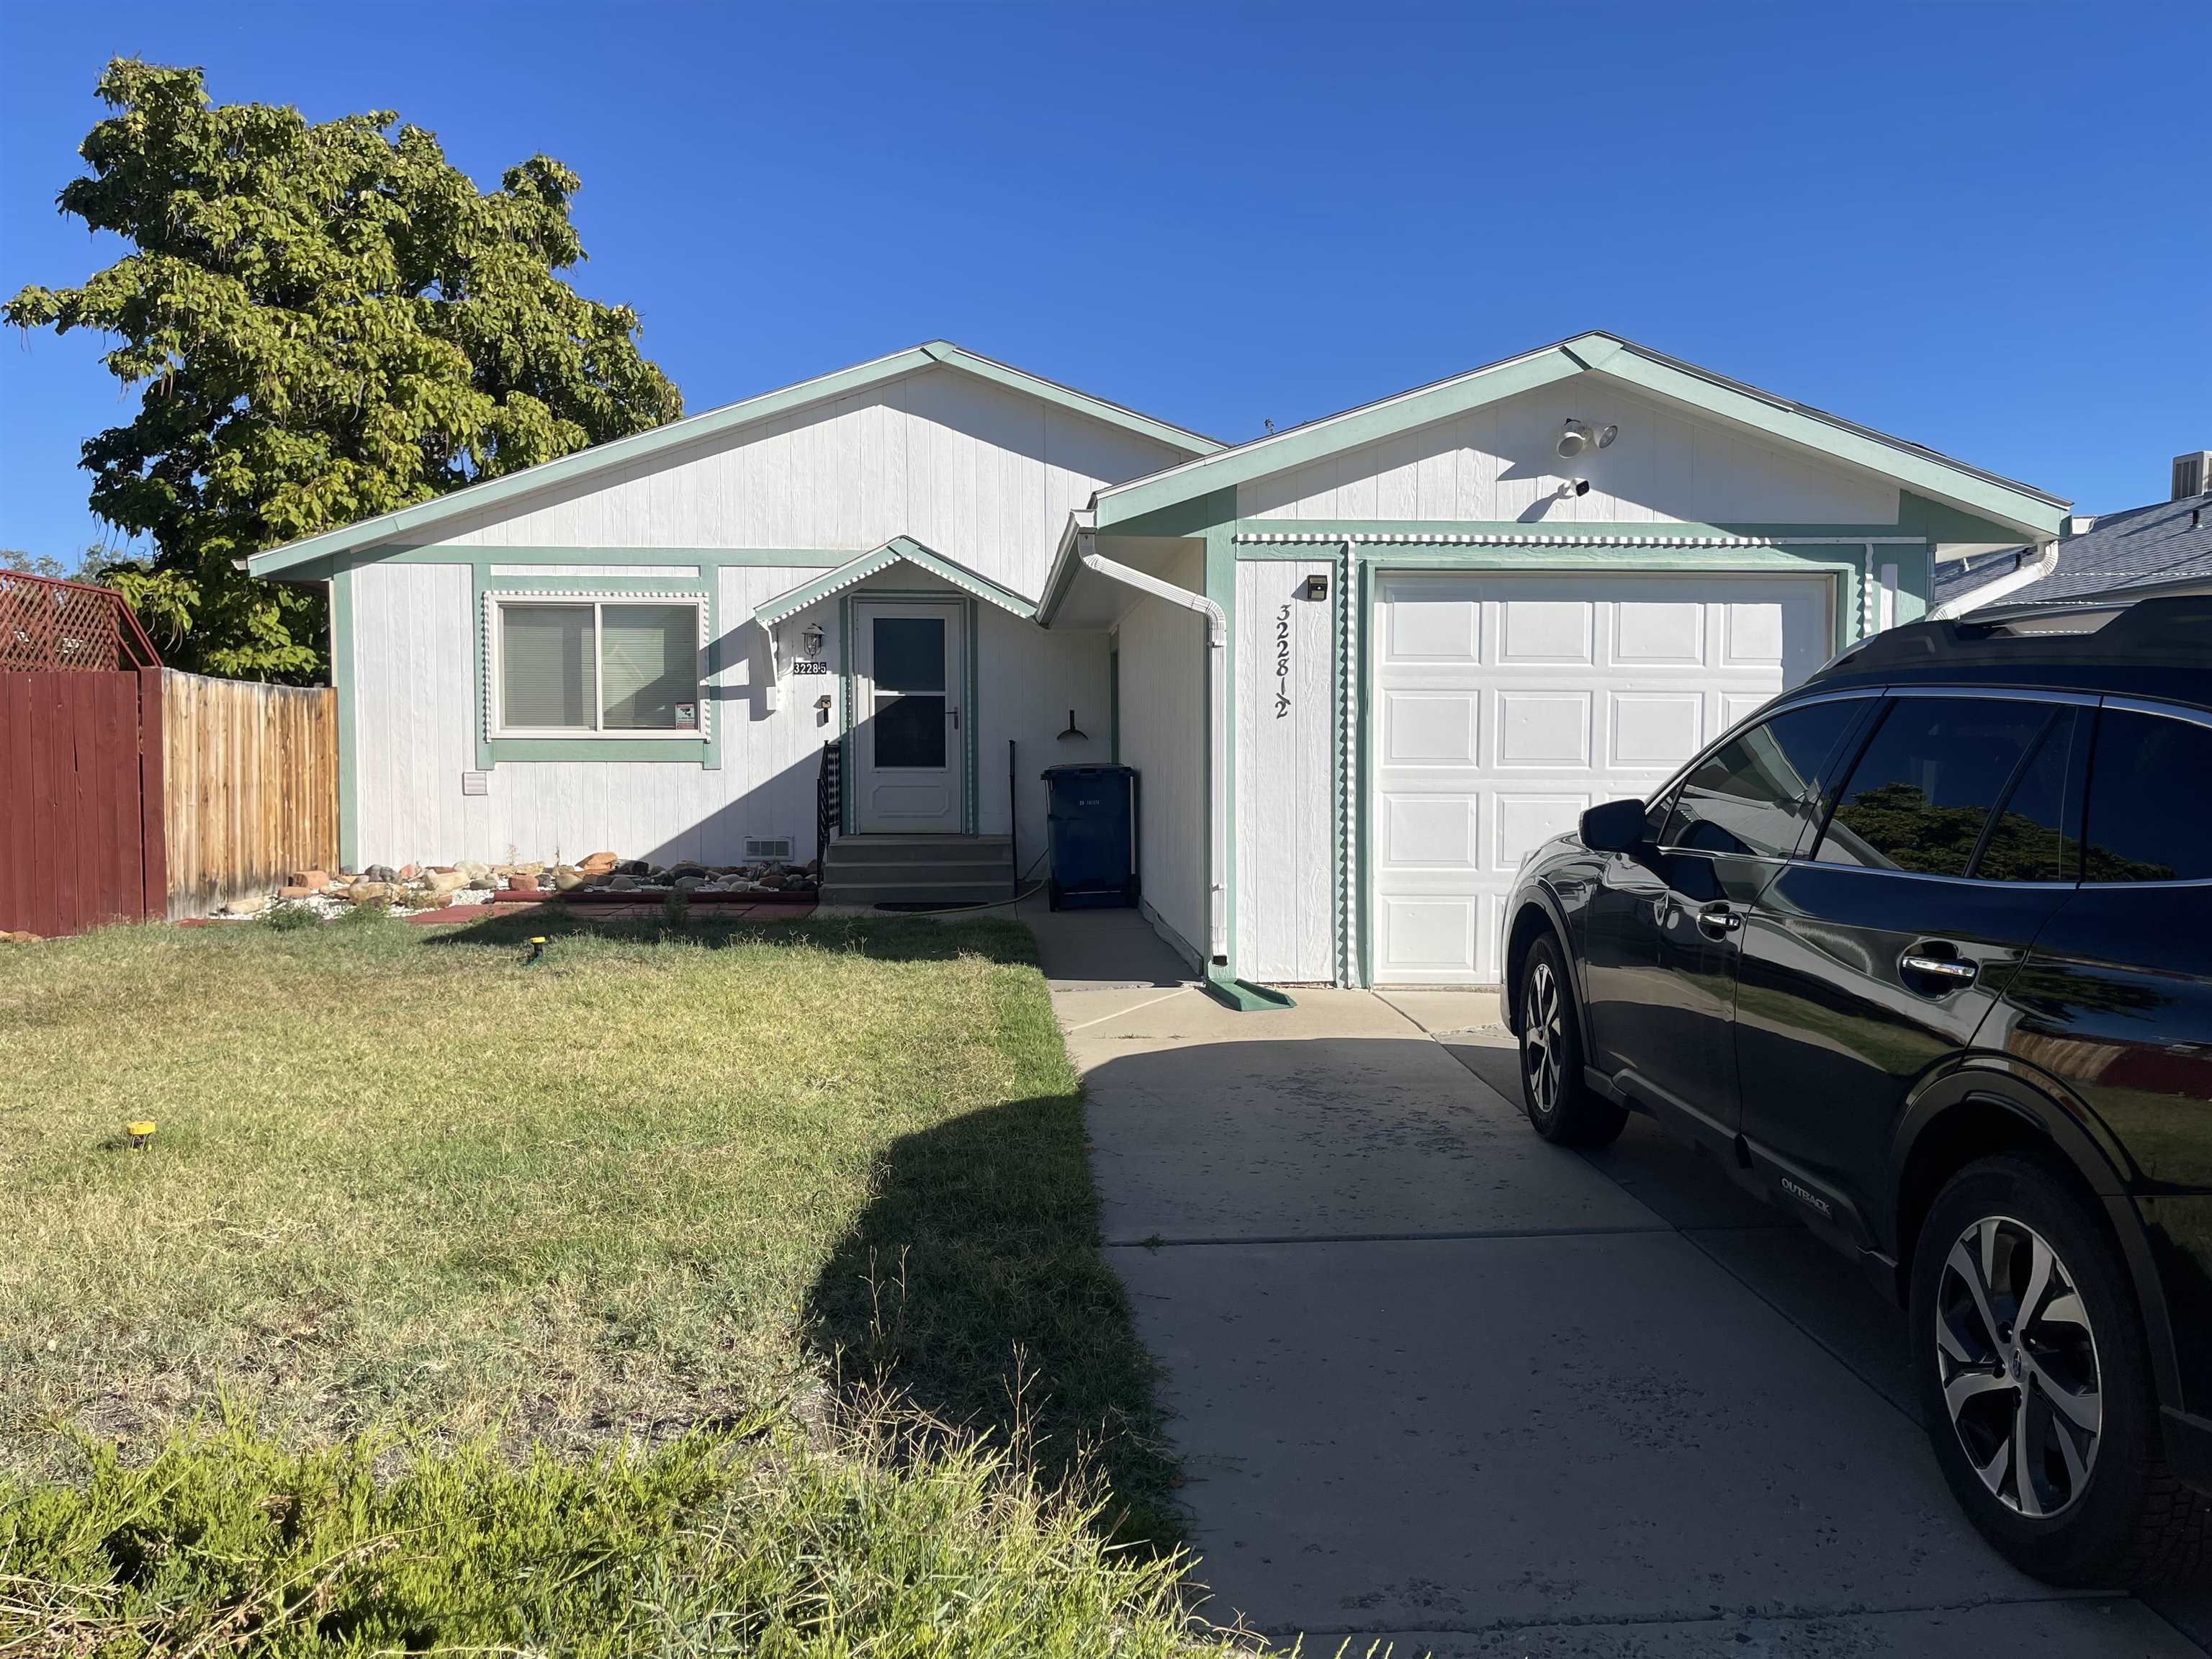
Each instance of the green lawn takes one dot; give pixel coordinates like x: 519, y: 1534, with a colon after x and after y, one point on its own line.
x: 632, y: 1245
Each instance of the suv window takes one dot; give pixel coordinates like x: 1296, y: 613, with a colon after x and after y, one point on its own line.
x: 1925, y: 787
x: 1744, y: 797
x: 2028, y: 842
x: 2150, y: 799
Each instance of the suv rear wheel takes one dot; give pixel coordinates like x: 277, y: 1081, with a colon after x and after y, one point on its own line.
x: 2035, y: 1384
x: 1553, y: 1092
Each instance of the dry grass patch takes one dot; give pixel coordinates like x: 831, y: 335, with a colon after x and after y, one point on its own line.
x: 405, y: 1183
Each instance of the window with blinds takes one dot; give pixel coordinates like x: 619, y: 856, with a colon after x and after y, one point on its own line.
x: 584, y: 667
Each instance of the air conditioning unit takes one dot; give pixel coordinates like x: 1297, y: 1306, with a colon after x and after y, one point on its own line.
x: 761, y: 847
x: 2192, y: 475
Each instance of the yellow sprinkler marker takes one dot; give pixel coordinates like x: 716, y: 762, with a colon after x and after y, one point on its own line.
x: 537, y: 949
x: 140, y: 1131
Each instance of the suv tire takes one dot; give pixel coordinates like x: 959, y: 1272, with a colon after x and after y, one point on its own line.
x: 1559, y: 1103
x: 2007, y: 1244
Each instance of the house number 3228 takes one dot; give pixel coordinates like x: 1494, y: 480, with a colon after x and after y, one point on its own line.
x: 1283, y: 662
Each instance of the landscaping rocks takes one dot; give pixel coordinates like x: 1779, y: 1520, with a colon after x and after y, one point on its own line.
x: 297, y: 891
x: 521, y: 882
x: 20, y: 936
x: 243, y: 907
x: 370, y: 892
x: 383, y: 872
x: 313, y: 880
x: 445, y: 881
x: 567, y: 879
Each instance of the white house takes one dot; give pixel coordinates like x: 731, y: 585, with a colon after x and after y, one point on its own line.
x: 1359, y: 666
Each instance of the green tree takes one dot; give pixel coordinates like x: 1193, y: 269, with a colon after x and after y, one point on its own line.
x: 326, y: 321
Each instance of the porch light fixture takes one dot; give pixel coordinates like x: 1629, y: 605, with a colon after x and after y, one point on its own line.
x: 810, y: 636
x: 1317, y: 586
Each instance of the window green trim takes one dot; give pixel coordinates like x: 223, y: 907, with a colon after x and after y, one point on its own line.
x: 704, y: 751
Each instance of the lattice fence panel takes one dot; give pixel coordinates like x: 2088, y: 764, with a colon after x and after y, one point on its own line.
x: 46, y: 624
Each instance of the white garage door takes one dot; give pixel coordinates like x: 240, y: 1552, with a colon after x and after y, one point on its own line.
x: 1506, y: 704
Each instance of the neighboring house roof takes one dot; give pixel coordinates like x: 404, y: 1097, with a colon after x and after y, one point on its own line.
x: 900, y: 549
x: 622, y: 452
x: 1954, y: 577
x: 1914, y: 466
x: 2139, y: 547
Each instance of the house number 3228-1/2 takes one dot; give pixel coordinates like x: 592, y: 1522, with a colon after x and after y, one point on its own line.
x: 1283, y: 662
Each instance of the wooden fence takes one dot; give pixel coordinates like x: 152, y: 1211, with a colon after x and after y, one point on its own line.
x: 157, y: 793
x: 250, y: 787
x: 80, y: 800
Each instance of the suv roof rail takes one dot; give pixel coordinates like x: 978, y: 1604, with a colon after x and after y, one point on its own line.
x: 2099, y: 629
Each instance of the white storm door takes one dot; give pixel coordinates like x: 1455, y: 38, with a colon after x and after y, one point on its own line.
x: 908, y: 659
x: 1505, y: 704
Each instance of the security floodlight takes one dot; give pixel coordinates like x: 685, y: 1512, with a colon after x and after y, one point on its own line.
x: 1574, y: 438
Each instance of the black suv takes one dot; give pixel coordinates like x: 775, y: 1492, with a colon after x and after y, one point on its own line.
x: 1922, y: 952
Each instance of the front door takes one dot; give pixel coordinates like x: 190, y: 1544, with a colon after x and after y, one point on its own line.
x: 908, y: 743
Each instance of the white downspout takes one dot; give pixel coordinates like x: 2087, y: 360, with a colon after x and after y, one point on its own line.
x: 1216, y: 737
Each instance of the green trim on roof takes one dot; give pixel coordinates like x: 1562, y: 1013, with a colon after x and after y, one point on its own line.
x: 1067, y: 397
x: 696, y: 428
x: 900, y: 549
x: 1301, y: 445
x: 1911, y: 465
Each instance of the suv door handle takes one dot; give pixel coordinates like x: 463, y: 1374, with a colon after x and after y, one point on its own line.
x: 1717, y: 921
x: 1948, y: 973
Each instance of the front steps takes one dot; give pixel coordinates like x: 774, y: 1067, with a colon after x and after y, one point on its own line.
x: 865, y: 870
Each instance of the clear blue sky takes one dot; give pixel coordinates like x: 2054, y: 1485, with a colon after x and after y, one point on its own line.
x: 1982, y: 227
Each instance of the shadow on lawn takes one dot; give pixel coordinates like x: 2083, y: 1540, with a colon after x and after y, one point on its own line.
x: 890, y: 939
x: 972, y: 1288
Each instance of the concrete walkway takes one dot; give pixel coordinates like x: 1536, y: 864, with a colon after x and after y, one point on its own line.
x: 1438, y: 1385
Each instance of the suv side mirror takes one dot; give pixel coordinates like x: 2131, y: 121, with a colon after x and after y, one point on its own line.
x: 1615, y: 826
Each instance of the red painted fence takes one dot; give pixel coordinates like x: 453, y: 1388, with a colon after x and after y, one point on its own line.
x: 80, y: 800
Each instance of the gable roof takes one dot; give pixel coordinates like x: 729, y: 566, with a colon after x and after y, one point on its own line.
x: 2138, y: 547
x: 900, y: 549
x: 1923, y: 470
x: 621, y: 451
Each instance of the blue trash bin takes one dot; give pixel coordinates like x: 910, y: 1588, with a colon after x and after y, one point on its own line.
x: 1091, y: 821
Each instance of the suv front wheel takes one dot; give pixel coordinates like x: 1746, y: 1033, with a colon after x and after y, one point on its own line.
x: 2035, y: 1384
x: 1559, y: 1103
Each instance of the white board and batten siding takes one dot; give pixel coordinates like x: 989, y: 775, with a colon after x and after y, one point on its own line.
x: 1286, y: 716
x: 1505, y: 704
x: 1162, y: 685
x: 982, y: 474
x: 415, y: 726
x: 1497, y: 464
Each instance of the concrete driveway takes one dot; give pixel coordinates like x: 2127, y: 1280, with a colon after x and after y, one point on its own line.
x: 1440, y: 1386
